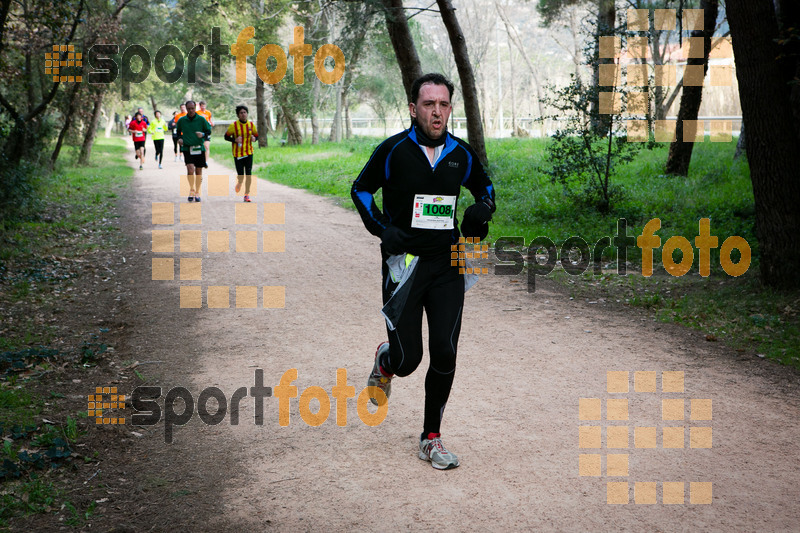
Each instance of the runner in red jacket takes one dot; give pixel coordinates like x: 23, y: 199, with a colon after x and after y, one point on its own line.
x: 138, y: 129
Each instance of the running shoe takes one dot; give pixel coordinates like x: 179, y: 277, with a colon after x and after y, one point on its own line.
x: 140, y: 167
x: 176, y: 158
x: 431, y: 449
x: 159, y: 165
x: 197, y: 199
x: 238, y: 186
x: 191, y: 196
x: 376, y: 377
x: 246, y: 197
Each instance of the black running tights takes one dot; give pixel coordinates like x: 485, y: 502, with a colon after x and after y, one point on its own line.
x: 437, y: 288
x: 159, y: 144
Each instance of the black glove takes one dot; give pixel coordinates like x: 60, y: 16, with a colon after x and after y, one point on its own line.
x: 475, y: 222
x: 393, y: 240
x: 479, y: 212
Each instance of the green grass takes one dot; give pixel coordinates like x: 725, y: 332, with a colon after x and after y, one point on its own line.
x: 72, y: 201
x: 326, y: 169
x: 530, y: 205
x: 28, y: 497
x: 19, y: 407
x: 717, y: 188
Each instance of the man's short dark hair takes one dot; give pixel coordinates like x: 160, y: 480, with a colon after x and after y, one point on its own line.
x: 189, y: 102
x: 431, y: 77
x: 240, y: 107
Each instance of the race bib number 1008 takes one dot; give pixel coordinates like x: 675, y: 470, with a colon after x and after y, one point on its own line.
x: 433, y: 212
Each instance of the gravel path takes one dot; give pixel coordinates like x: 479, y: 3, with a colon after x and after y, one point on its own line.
x: 525, y: 361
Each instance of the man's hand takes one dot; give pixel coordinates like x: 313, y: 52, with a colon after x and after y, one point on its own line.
x: 180, y: 141
x: 476, y: 220
x: 393, y: 240
x: 479, y: 212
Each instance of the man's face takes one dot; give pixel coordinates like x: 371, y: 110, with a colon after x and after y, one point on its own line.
x: 140, y: 110
x: 242, y: 114
x: 183, y: 108
x: 202, y: 107
x: 190, y: 110
x: 432, y: 109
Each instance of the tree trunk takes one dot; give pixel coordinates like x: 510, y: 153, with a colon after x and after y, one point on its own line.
x: 279, y: 122
x: 680, y: 152
x: 336, y: 124
x: 88, y: 141
x: 740, y: 144
x: 347, y: 80
x: 468, y: 88
x: 67, y: 123
x: 295, y: 135
x: 773, y: 149
x: 788, y: 24
x: 511, y: 83
x: 606, y: 25
x: 261, y: 114
x: 348, y: 124
x: 484, y: 94
x: 403, y: 43
x: 314, y: 104
x: 111, y: 120
x: 153, y: 103
x: 658, y: 90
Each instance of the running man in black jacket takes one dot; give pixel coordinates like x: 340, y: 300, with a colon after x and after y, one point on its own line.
x: 421, y: 172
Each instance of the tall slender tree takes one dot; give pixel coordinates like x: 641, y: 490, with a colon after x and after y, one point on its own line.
x: 468, y: 88
x: 402, y: 42
x: 767, y: 73
x: 680, y: 151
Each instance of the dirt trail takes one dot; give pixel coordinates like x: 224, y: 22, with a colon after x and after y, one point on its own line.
x: 525, y: 360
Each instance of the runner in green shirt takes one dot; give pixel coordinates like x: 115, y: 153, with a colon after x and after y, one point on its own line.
x: 156, y: 129
x: 192, y: 130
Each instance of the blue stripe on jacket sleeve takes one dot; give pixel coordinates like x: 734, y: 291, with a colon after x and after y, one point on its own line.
x: 366, y: 200
x: 449, y: 145
x: 469, y: 166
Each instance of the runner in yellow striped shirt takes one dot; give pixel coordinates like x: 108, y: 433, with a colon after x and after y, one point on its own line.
x: 241, y: 135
